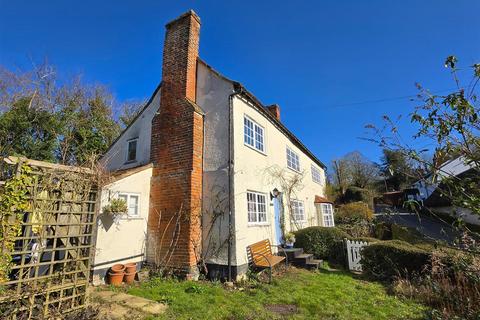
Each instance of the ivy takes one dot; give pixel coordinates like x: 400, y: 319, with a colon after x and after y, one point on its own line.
x: 14, y: 201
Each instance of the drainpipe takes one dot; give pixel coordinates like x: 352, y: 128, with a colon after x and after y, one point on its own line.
x: 237, y: 89
x: 230, y: 149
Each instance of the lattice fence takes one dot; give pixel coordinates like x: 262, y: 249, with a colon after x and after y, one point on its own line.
x: 51, y: 257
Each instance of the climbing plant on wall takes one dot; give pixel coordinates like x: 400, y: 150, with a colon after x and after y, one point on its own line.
x: 13, y: 202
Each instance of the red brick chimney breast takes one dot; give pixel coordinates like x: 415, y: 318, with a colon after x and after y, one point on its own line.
x: 174, y: 230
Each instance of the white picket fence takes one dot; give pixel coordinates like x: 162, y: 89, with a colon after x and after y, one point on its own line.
x: 354, y: 251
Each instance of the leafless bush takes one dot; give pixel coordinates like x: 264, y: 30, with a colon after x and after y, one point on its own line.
x: 452, y: 288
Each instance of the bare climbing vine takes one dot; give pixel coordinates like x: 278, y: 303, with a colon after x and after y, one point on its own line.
x: 289, y: 183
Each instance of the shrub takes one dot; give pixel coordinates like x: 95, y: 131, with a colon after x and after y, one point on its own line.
x: 386, y: 260
x: 452, y: 288
x: 406, y: 234
x: 357, y: 229
x: 383, y: 230
x: 354, y: 219
x: 365, y: 239
x: 322, y: 242
x: 355, y: 194
x: 354, y: 211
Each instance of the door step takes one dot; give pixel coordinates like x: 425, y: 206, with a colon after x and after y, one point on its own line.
x: 298, y: 258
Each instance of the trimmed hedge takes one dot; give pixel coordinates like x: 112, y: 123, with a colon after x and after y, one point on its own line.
x: 386, y: 260
x: 322, y: 242
x: 410, y: 235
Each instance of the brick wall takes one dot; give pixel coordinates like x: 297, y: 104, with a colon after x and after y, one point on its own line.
x: 174, y: 230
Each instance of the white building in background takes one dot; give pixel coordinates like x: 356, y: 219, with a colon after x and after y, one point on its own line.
x: 256, y: 177
x: 432, y: 197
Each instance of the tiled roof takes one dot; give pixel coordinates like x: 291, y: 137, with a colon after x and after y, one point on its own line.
x: 319, y: 199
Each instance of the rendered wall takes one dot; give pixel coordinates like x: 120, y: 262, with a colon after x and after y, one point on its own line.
x: 212, y: 97
x: 254, y: 171
x: 123, y: 240
x: 116, y: 156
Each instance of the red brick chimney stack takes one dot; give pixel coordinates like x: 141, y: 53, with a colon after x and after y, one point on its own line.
x: 275, y: 110
x: 174, y: 230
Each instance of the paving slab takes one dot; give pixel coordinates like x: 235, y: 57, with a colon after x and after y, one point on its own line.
x: 119, y: 305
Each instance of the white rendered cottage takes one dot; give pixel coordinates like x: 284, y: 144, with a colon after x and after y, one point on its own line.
x: 206, y: 170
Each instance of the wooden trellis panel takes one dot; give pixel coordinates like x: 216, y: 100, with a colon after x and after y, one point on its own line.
x: 52, y: 254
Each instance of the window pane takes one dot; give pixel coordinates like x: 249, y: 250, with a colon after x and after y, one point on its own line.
x: 316, y: 175
x: 259, y: 138
x: 248, y: 131
x: 252, y: 207
x: 132, y: 150
x: 293, y: 161
x: 298, y: 210
x: 133, y: 205
x: 262, y: 208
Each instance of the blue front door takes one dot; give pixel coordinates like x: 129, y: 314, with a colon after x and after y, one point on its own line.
x: 277, y: 207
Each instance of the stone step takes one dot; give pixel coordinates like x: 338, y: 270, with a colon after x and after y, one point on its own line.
x: 302, y: 259
x: 313, y: 264
x: 291, y: 253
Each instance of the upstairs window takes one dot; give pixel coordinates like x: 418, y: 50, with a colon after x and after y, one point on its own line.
x: 316, y: 175
x: 327, y: 213
x: 132, y: 201
x: 298, y: 210
x: 293, y: 162
x: 253, y: 134
x: 257, y: 207
x: 132, y: 150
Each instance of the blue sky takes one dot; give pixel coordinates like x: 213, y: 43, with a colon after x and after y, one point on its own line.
x: 324, y: 62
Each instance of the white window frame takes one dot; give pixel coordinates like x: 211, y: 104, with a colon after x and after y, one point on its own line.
x: 316, y: 175
x: 327, y: 215
x: 254, y: 205
x: 291, y: 157
x: 254, y: 137
x: 129, y: 195
x: 128, y: 150
x: 298, y: 207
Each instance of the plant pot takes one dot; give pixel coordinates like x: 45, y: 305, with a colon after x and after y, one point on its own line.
x: 131, y: 267
x: 118, y: 268
x: 289, y: 245
x: 116, y: 278
x: 129, y: 277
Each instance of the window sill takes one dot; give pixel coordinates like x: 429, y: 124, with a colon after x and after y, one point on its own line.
x: 294, y: 170
x: 255, y: 149
x: 130, y: 162
x: 258, y: 224
x: 131, y: 218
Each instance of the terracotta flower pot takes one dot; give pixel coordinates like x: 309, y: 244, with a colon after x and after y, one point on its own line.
x: 118, y: 268
x: 131, y: 267
x: 129, y: 277
x: 116, y: 278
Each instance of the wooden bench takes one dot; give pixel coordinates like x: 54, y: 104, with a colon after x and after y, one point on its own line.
x: 260, y: 256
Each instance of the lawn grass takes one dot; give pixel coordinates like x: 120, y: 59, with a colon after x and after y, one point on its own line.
x: 317, y: 295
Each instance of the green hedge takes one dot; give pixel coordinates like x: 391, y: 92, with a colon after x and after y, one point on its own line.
x: 322, y: 242
x: 386, y: 260
x: 410, y: 235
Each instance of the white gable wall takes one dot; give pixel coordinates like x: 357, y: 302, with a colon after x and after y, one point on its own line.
x: 212, y: 97
x: 116, y: 156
